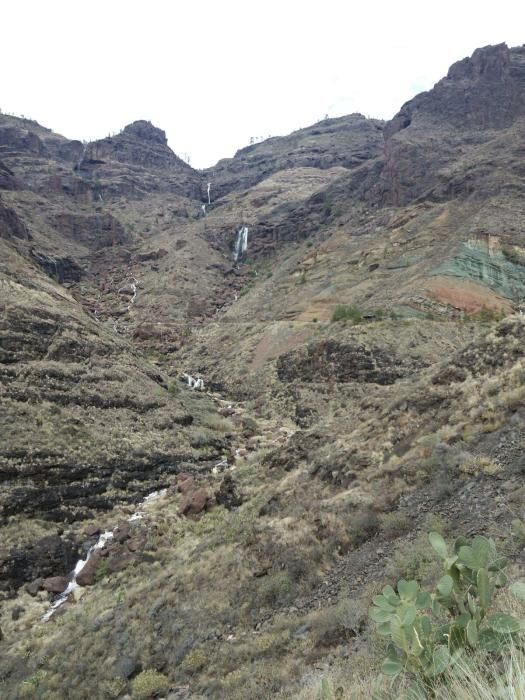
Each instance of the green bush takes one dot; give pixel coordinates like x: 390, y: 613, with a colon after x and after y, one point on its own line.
x: 149, y: 683
x: 342, y: 312
x: 430, y: 631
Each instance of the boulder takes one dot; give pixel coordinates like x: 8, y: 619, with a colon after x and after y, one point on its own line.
x: 92, y: 530
x: 195, y: 502
x: 87, y: 577
x: 186, y: 485
x: 55, y: 584
x: 121, y: 532
x: 228, y: 495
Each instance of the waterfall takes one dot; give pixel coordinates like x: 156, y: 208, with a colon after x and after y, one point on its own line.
x: 192, y: 382
x: 209, y: 187
x: 82, y: 156
x: 241, y: 244
x: 100, y: 544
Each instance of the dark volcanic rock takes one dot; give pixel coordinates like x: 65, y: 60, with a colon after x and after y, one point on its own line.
x: 60, y: 269
x: 347, y: 141
x: 11, y: 226
x: 136, y: 161
x: 51, y: 556
x: 480, y: 95
x: 340, y: 362
x: 8, y: 180
x: 95, y: 231
x: 55, y: 584
x: 228, y: 494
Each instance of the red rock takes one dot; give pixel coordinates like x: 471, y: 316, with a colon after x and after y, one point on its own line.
x: 92, y: 530
x: 87, y: 576
x: 55, y: 584
x: 136, y: 544
x: 195, y: 502
x: 186, y: 486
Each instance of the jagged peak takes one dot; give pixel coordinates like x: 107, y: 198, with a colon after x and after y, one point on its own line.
x: 145, y: 131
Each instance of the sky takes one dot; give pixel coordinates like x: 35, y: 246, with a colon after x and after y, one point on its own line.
x: 215, y: 73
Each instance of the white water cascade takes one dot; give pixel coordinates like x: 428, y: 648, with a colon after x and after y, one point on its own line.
x: 100, y: 544
x: 241, y: 244
x: 209, y: 188
x: 192, y: 382
x: 82, y: 157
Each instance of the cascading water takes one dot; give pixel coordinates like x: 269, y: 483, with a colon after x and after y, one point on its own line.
x: 82, y: 157
x: 241, y: 244
x: 192, y: 382
x: 209, y: 188
x: 100, y: 544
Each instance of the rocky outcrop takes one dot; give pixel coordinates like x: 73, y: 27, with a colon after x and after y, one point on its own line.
x: 139, y: 143
x: 7, y: 178
x: 346, y: 141
x: 50, y: 556
x: 95, y: 231
x: 136, y: 161
x: 332, y: 361
x: 11, y: 226
x: 60, y: 269
x: 480, y: 95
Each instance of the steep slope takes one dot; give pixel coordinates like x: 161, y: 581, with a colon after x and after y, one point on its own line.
x: 345, y: 142
x: 302, y: 479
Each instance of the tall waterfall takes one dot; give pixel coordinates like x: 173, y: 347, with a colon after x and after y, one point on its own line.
x: 82, y: 157
x: 209, y: 187
x: 241, y: 244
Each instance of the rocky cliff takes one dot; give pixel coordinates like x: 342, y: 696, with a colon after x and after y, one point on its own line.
x: 360, y: 386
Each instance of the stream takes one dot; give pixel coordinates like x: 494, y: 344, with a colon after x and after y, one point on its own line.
x: 100, y: 544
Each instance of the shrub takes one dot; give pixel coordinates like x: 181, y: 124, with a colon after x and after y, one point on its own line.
x: 194, y: 660
x: 276, y: 589
x: 395, y: 524
x: 342, y: 312
x: 148, y: 683
x: 431, y: 631
x: 363, y: 526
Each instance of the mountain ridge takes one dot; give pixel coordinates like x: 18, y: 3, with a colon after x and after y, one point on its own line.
x: 362, y: 360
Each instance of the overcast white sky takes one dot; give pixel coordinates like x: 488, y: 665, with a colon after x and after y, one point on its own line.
x: 213, y: 73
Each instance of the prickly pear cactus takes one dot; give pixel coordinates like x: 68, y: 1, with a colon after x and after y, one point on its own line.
x: 429, y: 631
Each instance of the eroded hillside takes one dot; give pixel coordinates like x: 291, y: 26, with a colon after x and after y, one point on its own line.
x: 350, y: 295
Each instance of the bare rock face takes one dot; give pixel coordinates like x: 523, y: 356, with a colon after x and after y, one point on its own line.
x: 480, y: 95
x: 347, y: 141
x: 7, y: 178
x: 11, y: 226
x: 124, y: 164
x: 331, y: 361
x: 95, y: 231
x: 139, y: 143
x: 51, y: 557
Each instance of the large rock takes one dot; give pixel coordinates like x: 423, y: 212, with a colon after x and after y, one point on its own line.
x: 50, y: 556
x: 55, y: 584
x: 87, y: 576
x: 195, y: 502
x: 479, y: 95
